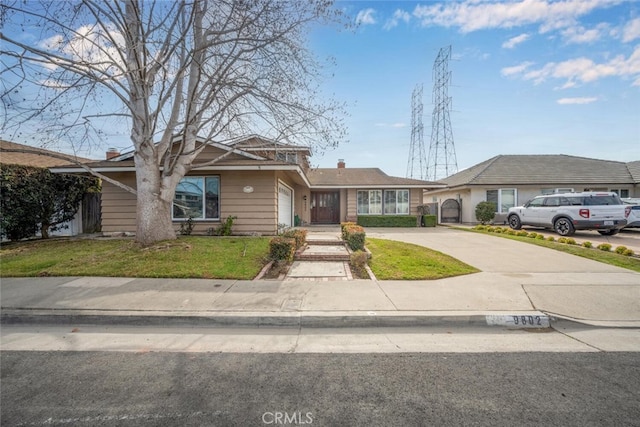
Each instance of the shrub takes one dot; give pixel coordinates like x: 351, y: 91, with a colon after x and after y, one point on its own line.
x: 604, y: 247
x: 540, y: 237
x: 533, y: 235
x: 522, y: 233
x: 282, y: 249
x: 562, y: 240
x: 429, y: 220
x: 343, y: 228
x: 491, y: 229
x: 388, y: 220
x: 511, y: 232
x: 298, y: 234
x: 35, y: 199
x: 186, y: 227
x: 621, y: 249
x: 355, y: 237
x: 226, y: 226
x: 480, y: 227
x: 570, y: 241
x: 587, y: 244
x: 551, y: 239
x: 628, y: 252
x: 485, y: 212
x: 358, y: 262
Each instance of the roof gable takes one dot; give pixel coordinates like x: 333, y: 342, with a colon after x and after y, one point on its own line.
x: 542, y: 169
x: 213, y: 144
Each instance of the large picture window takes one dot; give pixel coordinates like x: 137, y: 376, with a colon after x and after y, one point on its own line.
x: 369, y: 202
x: 396, y: 202
x: 377, y: 202
x: 197, y: 197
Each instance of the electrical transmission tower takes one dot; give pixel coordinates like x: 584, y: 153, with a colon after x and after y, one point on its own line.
x: 416, y: 151
x: 442, y: 153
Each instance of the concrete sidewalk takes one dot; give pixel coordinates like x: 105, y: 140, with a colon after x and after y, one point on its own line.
x: 519, y: 283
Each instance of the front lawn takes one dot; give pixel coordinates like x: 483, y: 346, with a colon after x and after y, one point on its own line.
x: 393, y: 260
x: 195, y: 257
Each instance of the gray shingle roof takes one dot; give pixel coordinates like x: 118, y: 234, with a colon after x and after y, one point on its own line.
x: 544, y: 169
x: 361, y: 177
x: 634, y: 170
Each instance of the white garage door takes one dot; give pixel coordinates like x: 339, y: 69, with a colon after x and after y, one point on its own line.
x: 285, y: 205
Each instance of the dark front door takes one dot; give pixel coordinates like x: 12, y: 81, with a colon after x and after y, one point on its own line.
x: 325, y: 207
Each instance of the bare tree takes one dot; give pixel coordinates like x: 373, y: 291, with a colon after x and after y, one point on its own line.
x: 196, y: 68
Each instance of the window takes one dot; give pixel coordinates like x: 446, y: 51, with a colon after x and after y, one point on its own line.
x: 503, y: 198
x: 623, y: 193
x: 396, y: 202
x: 197, y: 197
x: 287, y: 156
x: 372, y: 202
x: 369, y: 202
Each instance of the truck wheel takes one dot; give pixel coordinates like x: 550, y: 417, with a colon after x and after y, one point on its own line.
x: 514, y: 222
x: 564, y: 227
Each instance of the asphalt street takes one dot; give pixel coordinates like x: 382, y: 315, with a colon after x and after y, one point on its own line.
x: 230, y: 389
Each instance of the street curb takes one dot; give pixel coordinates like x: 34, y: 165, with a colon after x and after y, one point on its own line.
x: 283, y: 319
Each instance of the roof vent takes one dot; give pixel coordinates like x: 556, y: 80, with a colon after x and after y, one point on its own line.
x: 341, y: 164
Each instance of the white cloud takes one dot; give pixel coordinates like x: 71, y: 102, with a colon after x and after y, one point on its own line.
x: 472, y: 15
x: 398, y: 15
x: 514, y: 41
x: 391, y: 125
x: 631, y: 31
x: 573, y: 101
x: 583, y: 70
x: 578, y: 34
x: 516, y: 69
x: 366, y: 17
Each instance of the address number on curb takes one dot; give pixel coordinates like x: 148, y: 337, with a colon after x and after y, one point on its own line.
x: 518, y: 320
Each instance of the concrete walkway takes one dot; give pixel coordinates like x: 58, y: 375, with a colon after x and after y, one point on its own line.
x: 519, y: 283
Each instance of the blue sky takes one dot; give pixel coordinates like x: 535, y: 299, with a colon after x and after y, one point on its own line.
x: 528, y: 77
x: 532, y: 77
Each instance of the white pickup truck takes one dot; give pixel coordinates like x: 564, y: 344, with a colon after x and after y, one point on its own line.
x: 568, y: 212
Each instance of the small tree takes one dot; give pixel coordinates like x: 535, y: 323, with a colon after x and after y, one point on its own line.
x: 35, y: 199
x: 485, y: 212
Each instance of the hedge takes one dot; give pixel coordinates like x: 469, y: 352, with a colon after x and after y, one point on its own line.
x: 282, y: 248
x: 354, y: 236
x: 388, y: 220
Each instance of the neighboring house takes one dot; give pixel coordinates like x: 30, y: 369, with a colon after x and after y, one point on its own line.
x: 266, y: 185
x: 12, y: 153
x: 511, y: 180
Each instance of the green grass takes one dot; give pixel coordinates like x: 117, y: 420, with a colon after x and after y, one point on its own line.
x: 393, y: 260
x: 611, y: 258
x: 194, y: 257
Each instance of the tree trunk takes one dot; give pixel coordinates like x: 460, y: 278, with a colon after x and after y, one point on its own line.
x: 153, y: 211
x: 44, y: 230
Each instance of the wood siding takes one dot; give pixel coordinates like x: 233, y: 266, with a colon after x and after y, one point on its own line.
x: 256, y: 212
x: 118, y: 206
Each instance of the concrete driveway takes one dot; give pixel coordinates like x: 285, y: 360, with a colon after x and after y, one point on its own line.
x: 553, y: 282
x: 494, y: 254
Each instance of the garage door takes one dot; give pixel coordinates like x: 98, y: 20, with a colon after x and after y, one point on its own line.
x: 285, y: 205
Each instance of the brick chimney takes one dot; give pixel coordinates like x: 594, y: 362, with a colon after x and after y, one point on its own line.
x: 341, y: 164
x: 112, y: 152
